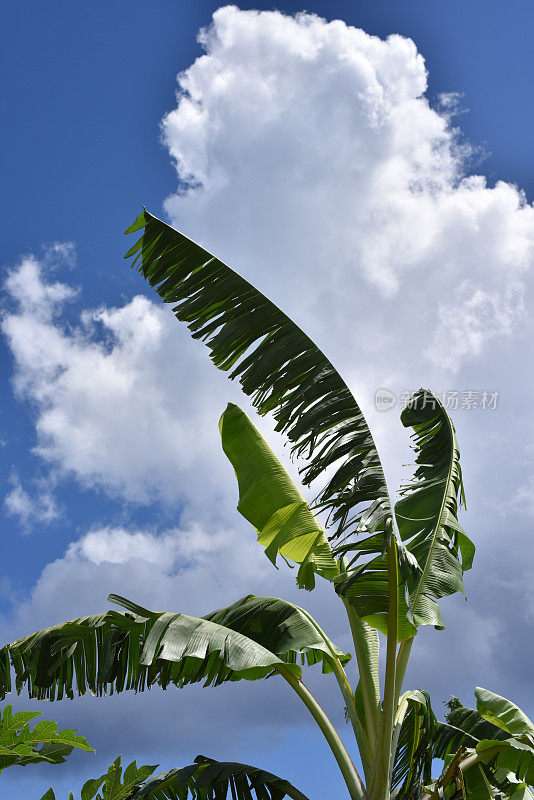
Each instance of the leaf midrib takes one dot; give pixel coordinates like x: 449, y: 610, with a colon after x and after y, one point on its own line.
x: 445, y: 494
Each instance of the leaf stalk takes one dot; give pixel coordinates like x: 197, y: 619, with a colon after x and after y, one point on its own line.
x: 381, y: 789
x: 348, y: 770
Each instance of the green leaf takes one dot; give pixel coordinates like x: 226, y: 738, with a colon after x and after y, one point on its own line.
x: 464, y: 728
x: 207, y: 778
x: 22, y: 745
x: 365, y: 585
x: 49, y: 795
x: 520, y: 791
x: 467, y: 730
x: 412, y: 763
x: 204, y: 779
x: 114, y: 651
x: 509, y: 755
x: 115, y: 785
x: 271, y: 502
x: 281, y: 627
x: 477, y: 786
x: 503, y: 713
x: 278, y: 366
x: 91, y: 787
x: 427, y: 513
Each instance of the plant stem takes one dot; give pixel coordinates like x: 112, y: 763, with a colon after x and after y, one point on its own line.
x: 348, y: 770
x: 469, y: 761
x: 370, y: 691
x: 400, y: 713
x: 362, y: 738
x: 384, y: 752
x: 402, y: 662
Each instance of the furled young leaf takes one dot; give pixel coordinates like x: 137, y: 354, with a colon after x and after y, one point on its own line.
x: 278, y: 366
x: 208, y: 779
x: 271, y: 502
x: 114, y: 651
x: 367, y: 692
x: 427, y: 514
x: 20, y: 744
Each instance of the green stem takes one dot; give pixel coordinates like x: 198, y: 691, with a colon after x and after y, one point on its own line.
x: 370, y: 691
x: 402, y: 662
x: 348, y: 770
x: 400, y: 713
x: 469, y: 761
x: 362, y: 739
x: 384, y: 752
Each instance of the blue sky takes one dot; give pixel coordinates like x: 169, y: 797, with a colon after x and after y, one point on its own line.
x: 85, y: 88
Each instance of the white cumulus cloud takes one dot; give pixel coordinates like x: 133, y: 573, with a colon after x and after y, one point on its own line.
x: 122, y: 401
x: 309, y: 156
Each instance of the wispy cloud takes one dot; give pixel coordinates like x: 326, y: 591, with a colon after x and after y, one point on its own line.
x: 39, y: 507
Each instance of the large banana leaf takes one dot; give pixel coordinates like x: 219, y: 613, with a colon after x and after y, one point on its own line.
x: 269, y: 500
x: 463, y: 728
x: 208, y: 779
x: 476, y: 784
x: 278, y: 366
x: 427, y: 514
x: 282, y: 627
x: 507, y: 762
x: 504, y: 714
x: 508, y: 756
x: 116, y: 651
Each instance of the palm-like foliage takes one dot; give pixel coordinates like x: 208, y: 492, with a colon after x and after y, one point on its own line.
x: 114, y: 784
x: 205, y: 779
x: 389, y: 569
x: 493, y: 745
x: 22, y: 744
x: 278, y: 366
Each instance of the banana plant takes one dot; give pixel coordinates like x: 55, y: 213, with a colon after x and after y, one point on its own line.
x: 205, y: 779
x: 389, y: 565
